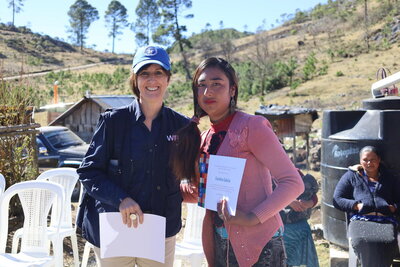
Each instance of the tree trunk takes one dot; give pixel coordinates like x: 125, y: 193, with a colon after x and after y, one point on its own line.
x: 366, y: 24
x: 113, y: 35
x: 185, y: 62
x: 179, y: 39
x: 13, y: 13
x: 81, y: 36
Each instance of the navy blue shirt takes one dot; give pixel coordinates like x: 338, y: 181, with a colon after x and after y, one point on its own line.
x: 125, y: 159
x: 144, y: 147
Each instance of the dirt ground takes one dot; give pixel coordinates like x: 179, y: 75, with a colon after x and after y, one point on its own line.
x: 16, y: 222
x: 321, y: 244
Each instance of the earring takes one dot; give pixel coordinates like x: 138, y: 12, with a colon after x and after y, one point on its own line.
x: 232, y: 105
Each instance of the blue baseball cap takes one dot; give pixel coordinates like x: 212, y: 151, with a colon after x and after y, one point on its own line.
x: 149, y: 55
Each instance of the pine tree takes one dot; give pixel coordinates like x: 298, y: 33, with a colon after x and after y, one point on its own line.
x: 16, y: 6
x: 82, y: 14
x: 116, y: 19
x: 147, y: 22
x: 171, y: 27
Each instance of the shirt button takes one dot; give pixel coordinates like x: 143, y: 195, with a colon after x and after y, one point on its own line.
x: 237, y: 233
x: 158, y: 187
x: 247, y: 259
x: 242, y: 246
x: 147, y: 171
x: 150, y: 150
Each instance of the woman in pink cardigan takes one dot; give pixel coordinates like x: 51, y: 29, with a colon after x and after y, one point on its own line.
x: 253, y: 237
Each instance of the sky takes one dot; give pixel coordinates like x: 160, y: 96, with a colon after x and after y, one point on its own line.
x: 50, y: 17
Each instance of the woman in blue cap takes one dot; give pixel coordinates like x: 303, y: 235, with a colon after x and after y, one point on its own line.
x: 126, y: 167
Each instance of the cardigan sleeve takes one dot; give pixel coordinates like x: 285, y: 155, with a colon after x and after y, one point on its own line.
x: 396, y: 193
x: 343, y: 195
x: 265, y: 146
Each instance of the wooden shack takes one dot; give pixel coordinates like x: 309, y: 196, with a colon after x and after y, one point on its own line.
x: 290, y: 122
x: 83, y: 116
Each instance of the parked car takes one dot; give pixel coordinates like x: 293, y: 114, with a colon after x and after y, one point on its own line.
x: 60, y: 147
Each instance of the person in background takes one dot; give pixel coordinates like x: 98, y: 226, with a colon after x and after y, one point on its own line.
x: 253, y: 237
x: 297, y: 236
x: 126, y: 167
x: 370, y: 195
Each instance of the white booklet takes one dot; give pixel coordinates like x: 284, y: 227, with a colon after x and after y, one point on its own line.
x: 145, y: 241
x: 223, y: 181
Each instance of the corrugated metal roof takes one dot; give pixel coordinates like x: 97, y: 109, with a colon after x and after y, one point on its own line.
x: 112, y: 101
x: 285, y: 111
x: 105, y: 101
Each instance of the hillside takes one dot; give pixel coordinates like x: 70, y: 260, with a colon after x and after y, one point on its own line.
x: 22, y: 51
x: 344, y: 70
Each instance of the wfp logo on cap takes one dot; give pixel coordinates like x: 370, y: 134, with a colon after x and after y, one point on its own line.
x: 150, y: 55
x: 150, y: 51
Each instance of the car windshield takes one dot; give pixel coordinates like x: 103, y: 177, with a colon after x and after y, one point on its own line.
x: 63, y: 138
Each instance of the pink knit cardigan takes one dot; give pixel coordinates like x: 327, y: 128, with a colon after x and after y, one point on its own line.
x: 251, y: 137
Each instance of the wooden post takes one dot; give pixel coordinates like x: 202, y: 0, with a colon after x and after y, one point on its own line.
x: 308, y: 151
x: 55, y: 99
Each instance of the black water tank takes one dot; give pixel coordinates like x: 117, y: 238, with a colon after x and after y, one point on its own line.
x: 344, y: 133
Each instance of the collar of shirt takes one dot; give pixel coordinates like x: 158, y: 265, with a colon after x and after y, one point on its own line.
x: 139, y: 115
x: 222, y: 125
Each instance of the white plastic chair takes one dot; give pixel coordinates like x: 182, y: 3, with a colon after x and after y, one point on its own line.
x: 67, y: 178
x: 2, y: 184
x: 36, y: 197
x: 86, y: 252
x: 191, y: 247
x: 88, y: 246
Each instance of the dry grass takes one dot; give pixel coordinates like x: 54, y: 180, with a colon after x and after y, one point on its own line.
x: 28, y: 52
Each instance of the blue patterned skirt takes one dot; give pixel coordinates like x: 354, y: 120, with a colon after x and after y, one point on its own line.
x: 300, y: 248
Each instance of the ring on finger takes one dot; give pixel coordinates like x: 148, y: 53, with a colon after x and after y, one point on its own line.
x: 133, y: 216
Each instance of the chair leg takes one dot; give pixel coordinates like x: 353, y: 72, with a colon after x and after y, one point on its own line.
x: 177, y: 262
x: 85, y: 256
x: 196, y: 260
x: 15, y: 244
x: 75, y: 251
x: 15, y: 241
x: 352, y: 256
x: 58, y: 252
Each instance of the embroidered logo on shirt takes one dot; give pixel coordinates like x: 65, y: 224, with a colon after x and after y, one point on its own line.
x: 172, y: 137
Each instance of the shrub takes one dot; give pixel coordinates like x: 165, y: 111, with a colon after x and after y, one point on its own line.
x: 339, y: 74
x: 309, y: 68
x: 18, y: 158
x: 295, y: 84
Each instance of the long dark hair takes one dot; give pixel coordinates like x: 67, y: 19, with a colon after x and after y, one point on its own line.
x: 186, y: 150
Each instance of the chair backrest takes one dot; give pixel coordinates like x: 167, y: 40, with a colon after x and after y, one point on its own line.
x: 194, y: 222
x: 36, y: 198
x: 67, y: 178
x: 2, y: 184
